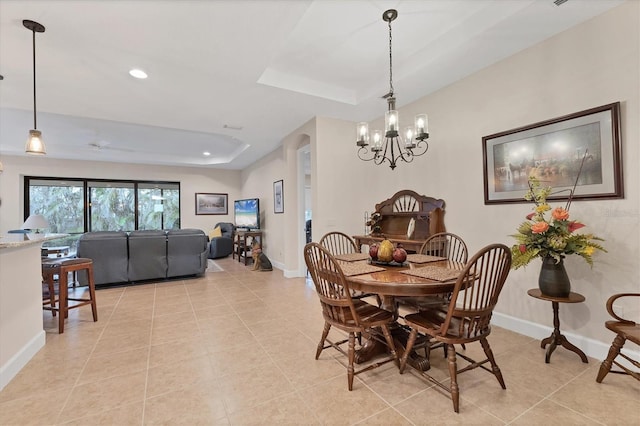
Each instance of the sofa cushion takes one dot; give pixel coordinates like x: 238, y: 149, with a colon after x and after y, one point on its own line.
x: 147, y: 255
x: 109, y: 252
x: 216, y: 232
x: 186, y: 252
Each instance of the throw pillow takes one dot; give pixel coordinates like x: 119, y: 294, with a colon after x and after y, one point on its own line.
x: 217, y: 232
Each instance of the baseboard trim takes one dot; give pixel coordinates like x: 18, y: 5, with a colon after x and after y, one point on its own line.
x: 592, y: 348
x: 20, y: 359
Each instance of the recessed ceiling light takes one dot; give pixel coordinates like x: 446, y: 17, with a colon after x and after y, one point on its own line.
x: 137, y: 73
x: 206, y: 153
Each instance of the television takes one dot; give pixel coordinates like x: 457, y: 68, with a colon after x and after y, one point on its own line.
x: 247, y: 213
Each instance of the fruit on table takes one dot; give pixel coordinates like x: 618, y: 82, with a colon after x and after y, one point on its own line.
x: 399, y: 254
x: 373, y: 251
x: 385, y: 251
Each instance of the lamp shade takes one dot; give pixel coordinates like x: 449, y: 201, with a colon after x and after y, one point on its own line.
x: 35, y: 221
x: 35, y: 145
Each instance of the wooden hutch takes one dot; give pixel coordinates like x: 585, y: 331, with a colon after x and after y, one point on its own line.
x: 396, y: 214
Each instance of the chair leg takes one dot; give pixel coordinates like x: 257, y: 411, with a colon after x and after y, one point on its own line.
x: 63, y: 300
x: 494, y: 366
x: 410, y: 342
x: 453, y: 372
x: 352, y: 356
x: 52, y: 294
x: 92, y: 293
x: 325, y: 333
x: 614, y: 350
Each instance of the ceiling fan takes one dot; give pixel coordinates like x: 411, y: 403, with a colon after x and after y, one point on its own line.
x: 104, y: 145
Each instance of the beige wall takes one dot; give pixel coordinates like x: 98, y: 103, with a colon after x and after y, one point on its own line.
x: 191, y: 180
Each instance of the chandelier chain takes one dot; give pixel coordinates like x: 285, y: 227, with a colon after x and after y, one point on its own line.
x: 390, y: 64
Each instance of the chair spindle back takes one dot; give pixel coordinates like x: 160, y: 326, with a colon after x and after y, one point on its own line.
x: 476, y: 292
x: 338, y: 243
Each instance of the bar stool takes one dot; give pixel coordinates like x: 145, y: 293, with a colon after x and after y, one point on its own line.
x: 62, y: 268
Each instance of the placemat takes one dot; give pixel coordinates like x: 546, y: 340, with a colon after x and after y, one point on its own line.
x: 423, y: 258
x: 434, y: 273
x: 352, y: 257
x: 359, y: 268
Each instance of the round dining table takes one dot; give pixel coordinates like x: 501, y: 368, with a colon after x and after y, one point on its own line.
x: 390, y: 283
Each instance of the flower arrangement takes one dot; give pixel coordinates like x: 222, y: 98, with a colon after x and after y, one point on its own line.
x: 542, y: 236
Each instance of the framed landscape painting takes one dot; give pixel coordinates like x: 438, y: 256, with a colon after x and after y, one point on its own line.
x: 208, y: 203
x: 580, y: 150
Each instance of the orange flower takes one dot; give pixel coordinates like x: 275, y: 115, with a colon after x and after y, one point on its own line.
x: 522, y: 248
x: 560, y: 214
x: 539, y: 228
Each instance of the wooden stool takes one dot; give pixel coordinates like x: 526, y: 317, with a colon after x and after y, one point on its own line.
x: 62, y: 267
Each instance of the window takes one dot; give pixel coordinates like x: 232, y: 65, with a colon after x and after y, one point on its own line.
x: 112, y: 206
x: 75, y: 206
x: 158, y: 206
x: 60, y: 201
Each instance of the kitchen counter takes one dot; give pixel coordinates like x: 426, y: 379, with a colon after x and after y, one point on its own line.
x: 21, y: 331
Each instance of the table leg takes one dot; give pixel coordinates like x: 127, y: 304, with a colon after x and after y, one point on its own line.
x: 372, y: 347
x: 557, y: 338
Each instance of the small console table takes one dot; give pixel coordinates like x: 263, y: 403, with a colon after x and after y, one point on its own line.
x: 556, y: 337
x: 243, y: 242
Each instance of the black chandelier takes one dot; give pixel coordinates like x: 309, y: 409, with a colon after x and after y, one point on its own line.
x: 392, y: 147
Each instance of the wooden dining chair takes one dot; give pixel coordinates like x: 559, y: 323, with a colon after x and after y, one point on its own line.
x: 342, y: 311
x: 625, y: 330
x: 468, y: 316
x: 338, y: 243
x: 442, y: 244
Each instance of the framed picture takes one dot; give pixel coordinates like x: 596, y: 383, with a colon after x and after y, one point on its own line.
x: 278, y: 196
x: 580, y: 150
x: 207, y: 203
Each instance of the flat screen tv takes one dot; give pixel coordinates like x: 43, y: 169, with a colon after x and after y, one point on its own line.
x: 247, y: 213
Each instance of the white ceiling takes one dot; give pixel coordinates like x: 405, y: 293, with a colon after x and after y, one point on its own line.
x: 264, y: 66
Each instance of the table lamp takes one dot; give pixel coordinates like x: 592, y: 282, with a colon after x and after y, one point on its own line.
x: 35, y: 222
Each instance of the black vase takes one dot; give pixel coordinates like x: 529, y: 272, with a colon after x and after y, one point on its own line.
x: 553, y: 280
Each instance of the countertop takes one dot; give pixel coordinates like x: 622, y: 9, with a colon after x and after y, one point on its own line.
x: 20, y: 240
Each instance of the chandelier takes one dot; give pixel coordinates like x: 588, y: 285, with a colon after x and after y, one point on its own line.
x: 392, y: 147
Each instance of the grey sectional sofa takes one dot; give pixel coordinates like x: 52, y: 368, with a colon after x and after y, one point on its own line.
x: 120, y: 257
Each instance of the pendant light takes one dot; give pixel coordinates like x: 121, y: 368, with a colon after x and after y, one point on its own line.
x: 35, y: 145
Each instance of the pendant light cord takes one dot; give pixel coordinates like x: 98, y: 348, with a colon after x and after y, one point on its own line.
x: 35, y: 123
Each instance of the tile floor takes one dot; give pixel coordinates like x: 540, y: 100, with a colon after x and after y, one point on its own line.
x: 237, y: 348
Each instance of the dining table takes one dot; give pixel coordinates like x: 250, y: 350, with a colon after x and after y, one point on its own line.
x: 420, y: 275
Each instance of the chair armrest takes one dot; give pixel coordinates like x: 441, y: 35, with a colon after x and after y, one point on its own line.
x: 610, y: 302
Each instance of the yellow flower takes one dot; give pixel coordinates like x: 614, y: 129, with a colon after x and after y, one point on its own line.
x: 543, y: 208
x: 589, y: 250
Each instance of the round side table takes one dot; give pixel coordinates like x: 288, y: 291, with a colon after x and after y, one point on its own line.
x: 556, y: 337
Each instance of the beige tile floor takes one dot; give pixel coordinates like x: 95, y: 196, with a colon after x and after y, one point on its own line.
x: 237, y: 348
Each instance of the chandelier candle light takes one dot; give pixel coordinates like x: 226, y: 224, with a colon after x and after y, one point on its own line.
x: 393, y: 148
